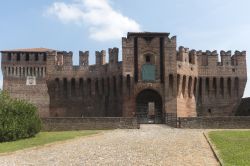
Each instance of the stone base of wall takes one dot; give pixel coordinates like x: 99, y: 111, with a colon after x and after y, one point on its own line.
x: 224, y: 122
x: 88, y: 123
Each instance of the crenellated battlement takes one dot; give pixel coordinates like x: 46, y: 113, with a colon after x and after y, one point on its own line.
x: 211, y: 58
x: 154, y: 75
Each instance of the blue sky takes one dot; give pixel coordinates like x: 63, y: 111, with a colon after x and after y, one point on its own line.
x: 74, y: 25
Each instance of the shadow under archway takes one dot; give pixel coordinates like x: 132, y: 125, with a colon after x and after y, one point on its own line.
x: 149, y: 107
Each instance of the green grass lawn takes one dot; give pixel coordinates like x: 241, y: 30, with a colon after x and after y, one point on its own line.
x: 43, y: 138
x: 233, y: 146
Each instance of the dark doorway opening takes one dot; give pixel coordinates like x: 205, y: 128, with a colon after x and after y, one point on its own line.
x: 149, y: 107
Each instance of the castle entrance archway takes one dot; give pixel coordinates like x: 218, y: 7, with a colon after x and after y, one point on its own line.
x: 149, y: 107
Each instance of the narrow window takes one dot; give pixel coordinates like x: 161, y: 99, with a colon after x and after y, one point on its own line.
x: 36, y: 57
x: 44, y: 57
x: 9, y: 56
x: 128, y: 83
x: 89, y: 86
x: 207, y: 86
x: 81, y: 86
x: 23, y: 71
x: 18, y: 57
x: 147, y: 59
x: 121, y: 84
x: 103, y: 86
x: 195, y: 84
x: 65, y: 87
x: 96, y: 87
x: 214, y: 86
x: 57, y: 85
x: 178, y: 83
x: 190, y: 87
x: 171, y: 83
x: 31, y: 73
x: 183, y: 85
x: 200, y: 87
x: 27, y: 57
x: 114, y: 85
x: 236, y: 86
x: 38, y: 72
x: 229, y: 86
x: 73, y: 87
x: 222, y: 86
x: 108, y: 84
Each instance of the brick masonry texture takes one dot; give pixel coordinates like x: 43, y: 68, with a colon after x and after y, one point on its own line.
x: 187, y: 83
x: 64, y: 124
x: 230, y: 122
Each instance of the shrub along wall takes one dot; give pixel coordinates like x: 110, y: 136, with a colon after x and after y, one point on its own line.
x: 18, y: 119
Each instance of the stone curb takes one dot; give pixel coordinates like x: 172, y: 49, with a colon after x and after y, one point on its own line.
x: 50, y: 144
x: 212, y: 147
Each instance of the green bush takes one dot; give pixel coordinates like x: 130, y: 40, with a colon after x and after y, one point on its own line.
x: 18, y: 119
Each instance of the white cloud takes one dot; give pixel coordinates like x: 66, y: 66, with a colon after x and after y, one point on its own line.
x: 104, y: 23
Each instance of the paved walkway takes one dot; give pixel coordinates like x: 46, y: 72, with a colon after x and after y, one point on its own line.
x: 150, y: 145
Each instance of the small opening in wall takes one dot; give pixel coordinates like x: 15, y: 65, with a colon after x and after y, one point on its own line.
x: 36, y: 56
x: 9, y: 56
x: 27, y: 57
x: 18, y: 57
x: 233, y: 70
x: 209, y: 111
x: 148, y: 59
x: 44, y: 57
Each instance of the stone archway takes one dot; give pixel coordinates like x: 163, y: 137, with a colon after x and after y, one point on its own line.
x: 149, y: 107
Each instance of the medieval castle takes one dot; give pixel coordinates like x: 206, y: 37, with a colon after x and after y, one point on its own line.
x: 153, y: 80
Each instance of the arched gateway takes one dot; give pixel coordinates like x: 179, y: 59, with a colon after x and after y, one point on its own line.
x: 149, y: 107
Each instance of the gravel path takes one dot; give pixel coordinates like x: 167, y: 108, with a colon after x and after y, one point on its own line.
x: 150, y: 145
